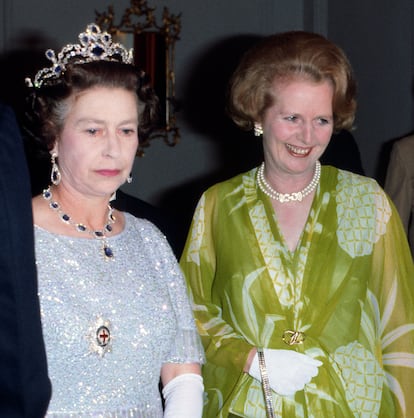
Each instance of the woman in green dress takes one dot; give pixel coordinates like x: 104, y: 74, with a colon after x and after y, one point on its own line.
x: 300, y: 276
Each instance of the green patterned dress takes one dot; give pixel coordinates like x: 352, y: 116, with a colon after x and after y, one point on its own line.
x: 349, y: 287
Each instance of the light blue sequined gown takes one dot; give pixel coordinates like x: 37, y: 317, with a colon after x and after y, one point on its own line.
x: 109, y: 325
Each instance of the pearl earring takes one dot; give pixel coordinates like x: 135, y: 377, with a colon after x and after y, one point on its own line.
x: 258, y: 130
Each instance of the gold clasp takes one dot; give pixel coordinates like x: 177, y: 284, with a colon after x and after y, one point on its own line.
x: 293, y: 337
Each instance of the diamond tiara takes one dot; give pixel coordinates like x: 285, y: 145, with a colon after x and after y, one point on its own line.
x: 94, y: 46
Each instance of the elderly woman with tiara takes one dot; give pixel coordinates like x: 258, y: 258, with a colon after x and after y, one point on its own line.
x: 115, y: 313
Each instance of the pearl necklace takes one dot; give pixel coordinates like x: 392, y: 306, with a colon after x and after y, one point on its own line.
x: 267, y: 189
x: 99, y: 234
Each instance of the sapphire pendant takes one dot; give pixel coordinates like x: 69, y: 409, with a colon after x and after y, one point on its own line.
x: 107, y: 252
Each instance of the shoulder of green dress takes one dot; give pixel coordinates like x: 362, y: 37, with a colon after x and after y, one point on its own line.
x: 233, y: 182
x: 346, y: 178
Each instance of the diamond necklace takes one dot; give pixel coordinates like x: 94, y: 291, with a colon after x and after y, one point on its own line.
x: 267, y: 189
x: 99, y: 234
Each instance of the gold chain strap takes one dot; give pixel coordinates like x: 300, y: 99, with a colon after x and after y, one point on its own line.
x: 267, y: 392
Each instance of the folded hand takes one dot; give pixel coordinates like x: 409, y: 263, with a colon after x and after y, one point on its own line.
x: 288, y: 370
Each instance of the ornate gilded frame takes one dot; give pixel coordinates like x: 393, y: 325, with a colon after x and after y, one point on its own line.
x: 139, y: 21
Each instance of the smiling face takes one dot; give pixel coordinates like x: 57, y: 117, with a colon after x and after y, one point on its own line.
x: 298, y: 126
x: 99, y: 139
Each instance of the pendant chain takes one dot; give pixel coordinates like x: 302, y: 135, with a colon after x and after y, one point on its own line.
x: 99, y: 234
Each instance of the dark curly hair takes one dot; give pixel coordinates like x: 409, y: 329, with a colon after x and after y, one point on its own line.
x: 46, y: 106
x: 288, y: 56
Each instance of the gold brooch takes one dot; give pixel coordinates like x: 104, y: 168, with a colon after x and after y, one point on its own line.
x: 293, y: 337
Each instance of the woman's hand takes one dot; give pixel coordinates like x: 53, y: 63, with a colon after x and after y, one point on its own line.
x: 183, y: 390
x: 288, y: 370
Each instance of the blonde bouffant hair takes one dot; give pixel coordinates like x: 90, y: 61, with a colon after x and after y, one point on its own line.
x: 286, y: 57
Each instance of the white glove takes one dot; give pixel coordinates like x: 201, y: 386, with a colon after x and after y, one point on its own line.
x: 288, y: 370
x: 184, y: 396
